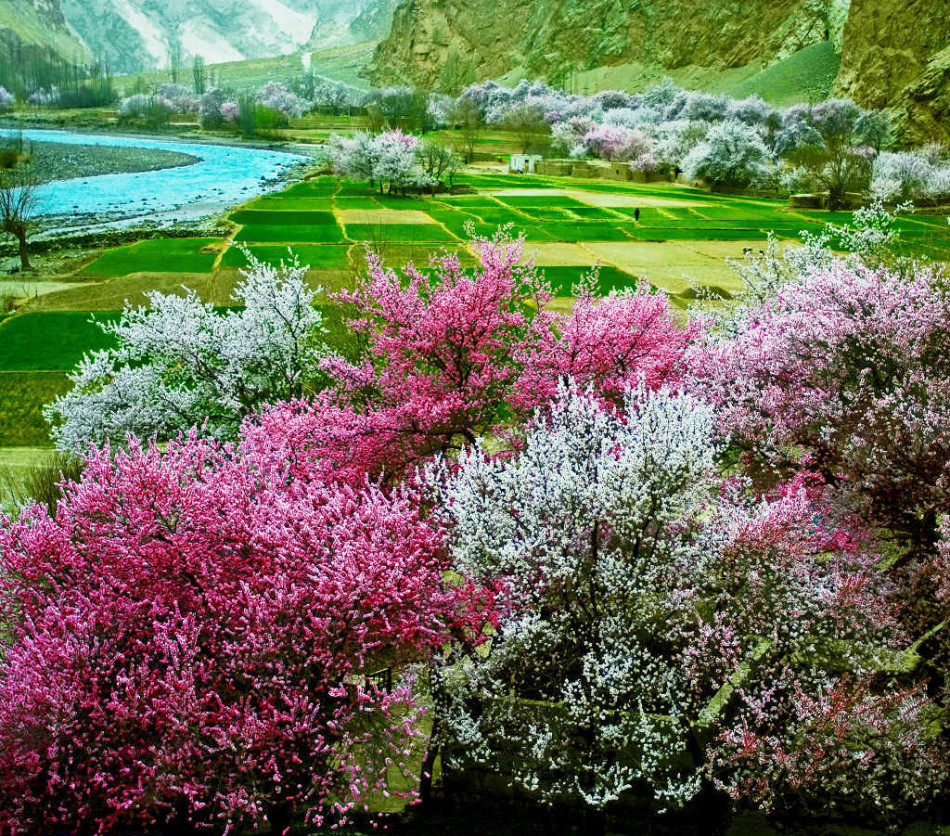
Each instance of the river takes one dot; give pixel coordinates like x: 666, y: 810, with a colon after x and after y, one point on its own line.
x: 223, y: 176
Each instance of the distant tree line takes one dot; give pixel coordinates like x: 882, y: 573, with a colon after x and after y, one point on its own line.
x: 38, y: 75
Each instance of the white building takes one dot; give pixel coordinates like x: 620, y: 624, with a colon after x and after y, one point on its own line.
x: 523, y: 163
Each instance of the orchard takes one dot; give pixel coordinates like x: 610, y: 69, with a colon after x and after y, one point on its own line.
x: 615, y: 553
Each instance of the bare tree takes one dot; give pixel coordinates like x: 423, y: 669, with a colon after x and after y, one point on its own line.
x: 18, y: 210
x: 438, y: 161
x: 466, y: 116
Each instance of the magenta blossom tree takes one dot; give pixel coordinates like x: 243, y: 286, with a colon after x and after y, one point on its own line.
x: 189, y: 643
x: 453, y: 355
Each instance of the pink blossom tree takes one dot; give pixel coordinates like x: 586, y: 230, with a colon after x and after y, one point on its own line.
x: 453, y: 355
x: 612, y: 343
x: 188, y: 643
x: 846, y: 373
x: 616, y: 142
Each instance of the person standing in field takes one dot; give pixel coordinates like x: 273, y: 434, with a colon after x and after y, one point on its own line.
x: 636, y: 215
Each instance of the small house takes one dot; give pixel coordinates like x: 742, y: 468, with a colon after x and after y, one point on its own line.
x: 523, y: 163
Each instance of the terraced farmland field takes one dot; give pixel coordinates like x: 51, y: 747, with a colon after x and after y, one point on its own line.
x: 682, y: 240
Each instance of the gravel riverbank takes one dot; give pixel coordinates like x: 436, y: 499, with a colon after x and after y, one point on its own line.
x: 56, y: 161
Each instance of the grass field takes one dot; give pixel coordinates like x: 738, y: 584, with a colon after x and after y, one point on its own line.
x: 22, y: 397
x: 340, y: 63
x: 802, y: 76
x: 54, y: 341
x: 682, y: 240
x: 172, y: 255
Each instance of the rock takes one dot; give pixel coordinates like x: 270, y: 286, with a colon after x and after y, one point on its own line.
x: 896, y: 55
x: 541, y: 36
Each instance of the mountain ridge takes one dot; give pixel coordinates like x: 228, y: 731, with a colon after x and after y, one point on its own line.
x: 136, y: 35
x: 39, y: 23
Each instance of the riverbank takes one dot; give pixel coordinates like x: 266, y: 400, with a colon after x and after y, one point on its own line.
x: 53, y: 161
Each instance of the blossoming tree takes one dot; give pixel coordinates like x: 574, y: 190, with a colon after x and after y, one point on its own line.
x: 453, y: 354
x: 658, y: 628
x: 188, y: 640
x: 179, y: 363
x: 389, y: 159
x: 845, y: 372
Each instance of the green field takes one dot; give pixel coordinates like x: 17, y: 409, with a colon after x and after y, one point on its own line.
x: 171, y: 255
x: 54, y: 341
x: 802, y: 76
x: 682, y: 240
x: 22, y: 397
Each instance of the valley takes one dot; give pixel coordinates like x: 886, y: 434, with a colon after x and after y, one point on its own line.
x: 479, y: 417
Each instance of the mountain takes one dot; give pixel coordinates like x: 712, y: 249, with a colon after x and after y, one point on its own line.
x: 38, y: 23
x: 143, y: 34
x: 893, y: 53
x: 552, y: 37
x: 896, y: 54
x: 370, y: 21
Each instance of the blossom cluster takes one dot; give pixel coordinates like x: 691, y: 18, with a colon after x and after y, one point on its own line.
x: 389, y: 159
x: 612, y: 552
x: 278, y: 97
x: 832, y: 146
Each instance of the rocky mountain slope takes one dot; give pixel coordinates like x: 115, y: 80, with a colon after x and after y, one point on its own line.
x: 143, y: 34
x: 545, y: 37
x: 38, y: 23
x: 896, y: 54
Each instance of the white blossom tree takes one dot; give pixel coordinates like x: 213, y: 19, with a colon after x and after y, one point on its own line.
x: 279, y: 98
x: 733, y: 154
x: 389, y: 159
x: 179, y: 363
x: 648, y: 609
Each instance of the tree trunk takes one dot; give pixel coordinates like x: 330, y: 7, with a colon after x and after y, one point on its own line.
x: 24, y: 254
x: 595, y: 822
x: 428, y: 765
x: 713, y: 810
x: 279, y: 817
x: 835, y: 197
x: 181, y: 825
